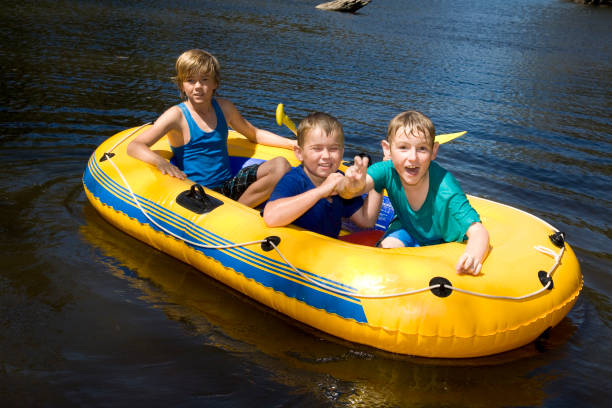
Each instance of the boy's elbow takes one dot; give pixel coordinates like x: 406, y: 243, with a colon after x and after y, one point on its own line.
x: 271, y: 219
x: 130, y: 149
x: 134, y: 148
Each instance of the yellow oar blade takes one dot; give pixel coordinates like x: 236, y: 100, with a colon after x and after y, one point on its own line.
x: 448, y: 137
x: 283, y: 119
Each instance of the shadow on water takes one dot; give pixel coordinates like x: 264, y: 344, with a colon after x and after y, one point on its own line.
x: 347, y: 373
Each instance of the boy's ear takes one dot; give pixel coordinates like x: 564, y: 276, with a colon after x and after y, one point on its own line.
x: 297, y: 150
x: 434, y: 151
x: 386, y: 149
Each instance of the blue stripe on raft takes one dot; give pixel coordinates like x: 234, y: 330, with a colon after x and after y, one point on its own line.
x: 265, y: 271
x: 186, y: 229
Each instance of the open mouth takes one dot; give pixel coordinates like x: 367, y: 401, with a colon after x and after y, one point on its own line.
x: 412, y: 171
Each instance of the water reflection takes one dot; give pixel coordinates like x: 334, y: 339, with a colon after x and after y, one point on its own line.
x: 313, y: 362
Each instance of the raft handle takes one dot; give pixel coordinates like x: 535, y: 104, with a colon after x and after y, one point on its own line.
x: 558, y: 238
x: 196, y: 200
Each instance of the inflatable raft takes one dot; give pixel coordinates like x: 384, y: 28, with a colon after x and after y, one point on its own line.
x: 408, y: 300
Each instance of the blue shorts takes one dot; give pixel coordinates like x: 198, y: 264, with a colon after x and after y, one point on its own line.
x: 403, y: 236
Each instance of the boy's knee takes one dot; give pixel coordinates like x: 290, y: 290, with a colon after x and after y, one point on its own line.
x: 390, y: 242
x: 280, y: 166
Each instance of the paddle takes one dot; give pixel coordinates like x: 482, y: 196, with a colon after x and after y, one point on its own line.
x: 283, y: 119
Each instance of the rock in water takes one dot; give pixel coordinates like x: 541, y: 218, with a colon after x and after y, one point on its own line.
x: 349, y: 6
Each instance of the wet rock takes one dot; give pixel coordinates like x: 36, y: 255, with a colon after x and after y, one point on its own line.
x: 349, y: 6
x: 594, y: 2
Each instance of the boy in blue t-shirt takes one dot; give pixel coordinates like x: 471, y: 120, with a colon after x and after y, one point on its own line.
x: 307, y: 195
x: 429, y: 205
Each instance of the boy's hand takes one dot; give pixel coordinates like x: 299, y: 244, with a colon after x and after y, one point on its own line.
x: 476, y: 250
x: 328, y: 187
x: 355, y: 177
x: 469, y: 264
x: 170, y: 169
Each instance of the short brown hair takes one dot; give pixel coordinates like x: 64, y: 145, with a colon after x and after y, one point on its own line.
x: 412, y: 121
x: 328, y: 123
x: 194, y: 62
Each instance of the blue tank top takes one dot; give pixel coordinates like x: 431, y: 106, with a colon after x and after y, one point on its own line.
x: 204, y: 159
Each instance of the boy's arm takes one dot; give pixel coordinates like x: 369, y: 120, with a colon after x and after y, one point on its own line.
x: 367, y: 215
x: 476, y: 250
x: 255, y: 135
x: 140, y: 147
x: 284, y: 211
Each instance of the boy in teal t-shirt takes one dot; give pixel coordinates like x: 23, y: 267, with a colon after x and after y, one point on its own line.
x: 429, y: 205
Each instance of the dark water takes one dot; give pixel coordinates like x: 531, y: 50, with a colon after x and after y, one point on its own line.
x: 91, y: 317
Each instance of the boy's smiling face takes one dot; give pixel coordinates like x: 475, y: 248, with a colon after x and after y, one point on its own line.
x: 411, y: 153
x: 320, y: 154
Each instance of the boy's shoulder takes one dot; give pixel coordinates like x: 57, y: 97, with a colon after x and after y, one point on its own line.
x: 295, y: 181
x: 439, y: 175
x: 380, y: 167
x: 223, y: 102
x: 442, y: 183
x: 172, y: 117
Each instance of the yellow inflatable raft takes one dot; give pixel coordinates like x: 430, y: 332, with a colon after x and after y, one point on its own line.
x: 408, y: 300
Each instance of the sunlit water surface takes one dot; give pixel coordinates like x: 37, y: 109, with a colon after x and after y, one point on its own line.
x: 91, y: 317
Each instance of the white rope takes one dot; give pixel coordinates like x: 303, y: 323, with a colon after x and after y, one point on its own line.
x: 552, y: 253
x: 415, y: 291
x: 353, y: 294
x: 542, y: 249
x: 469, y: 292
x: 146, y: 214
x: 125, y: 137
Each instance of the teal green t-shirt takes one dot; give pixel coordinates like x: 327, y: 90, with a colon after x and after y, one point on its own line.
x: 446, y: 214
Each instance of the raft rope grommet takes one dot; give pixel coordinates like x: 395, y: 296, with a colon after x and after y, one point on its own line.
x: 269, y: 243
x: 558, y: 239
x: 546, y: 279
x: 106, y: 156
x: 443, y: 286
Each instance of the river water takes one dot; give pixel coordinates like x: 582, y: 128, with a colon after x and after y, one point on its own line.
x: 92, y: 317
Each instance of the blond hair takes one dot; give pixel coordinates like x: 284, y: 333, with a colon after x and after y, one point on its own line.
x: 196, y: 62
x: 414, y: 123
x: 329, y: 124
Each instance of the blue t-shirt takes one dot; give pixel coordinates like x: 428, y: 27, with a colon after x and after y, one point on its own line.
x: 324, y: 217
x: 204, y: 159
x: 446, y: 214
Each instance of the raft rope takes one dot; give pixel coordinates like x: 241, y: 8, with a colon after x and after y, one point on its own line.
x: 545, y: 250
x: 542, y: 249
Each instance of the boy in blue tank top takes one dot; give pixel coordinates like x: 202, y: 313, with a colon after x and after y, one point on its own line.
x: 430, y: 206
x: 197, y: 130
x: 307, y: 196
